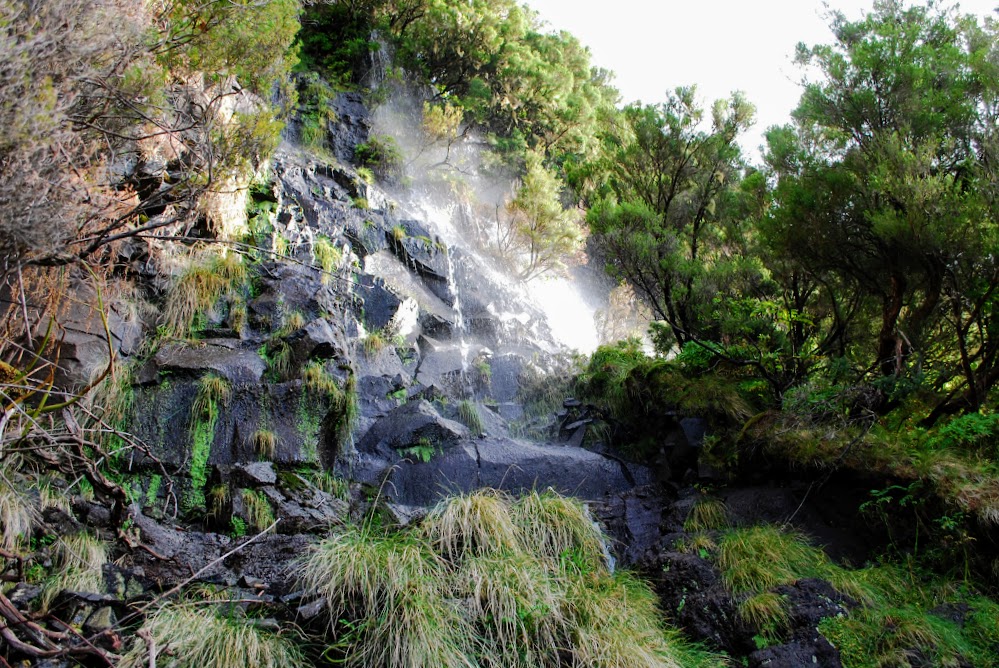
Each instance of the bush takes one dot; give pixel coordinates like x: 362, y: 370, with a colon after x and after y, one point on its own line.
x: 382, y: 155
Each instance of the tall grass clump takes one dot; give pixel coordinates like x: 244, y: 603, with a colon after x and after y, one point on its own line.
x: 468, y: 415
x: 481, y: 583
x: 476, y: 524
x: 198, y: 288
x: 555, y: 526
x: 616, y: 624
x: 191, y: 637
x: 15, y: 515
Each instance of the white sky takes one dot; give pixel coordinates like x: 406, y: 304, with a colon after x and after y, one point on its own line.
x: 720, y: 45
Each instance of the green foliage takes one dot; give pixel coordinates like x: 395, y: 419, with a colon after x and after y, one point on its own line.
x: 423, y: 450
x: 382, y: 155
x: 540, y: 236
x: 898, y: 617
x: 199, y: 287
x: 668, y: 228
x: 199, y: 638
x: 258, y: 511
x: 212, y: 395
x: 472, y: 586
x: 468, y: 415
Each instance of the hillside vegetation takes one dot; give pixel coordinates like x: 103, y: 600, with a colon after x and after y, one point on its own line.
x: 832, y: 310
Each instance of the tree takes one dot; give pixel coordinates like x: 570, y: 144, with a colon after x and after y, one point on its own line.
x: 882, y: 191
x: 539, y: 230
x: 669, y: 227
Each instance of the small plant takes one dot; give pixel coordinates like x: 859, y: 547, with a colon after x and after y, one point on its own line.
x: 327, y: 256
x: 318, y: 380
x: 257, y: 509
x: 361, y: 203
x: 468, y: 415
x: 238, y: 525
x: 423, y: 450
x: 218, y: 499
x: 374, y: 343
x: 399, y: 233
x: 198, y: 637
x: 707, y: 514
x: 264, y: 443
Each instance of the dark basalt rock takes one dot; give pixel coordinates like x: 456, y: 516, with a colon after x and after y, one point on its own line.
x: 797, y: 654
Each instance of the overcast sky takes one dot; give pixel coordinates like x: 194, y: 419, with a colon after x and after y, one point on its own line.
x: 653, y: 46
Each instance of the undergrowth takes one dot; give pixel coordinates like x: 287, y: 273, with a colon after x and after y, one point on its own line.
x: 901, y: 615
x: 486, y: 580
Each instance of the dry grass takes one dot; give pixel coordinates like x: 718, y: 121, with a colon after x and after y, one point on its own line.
x: 198, y: 287
x: 191, y: 637
x: 15, y: 515
x: 476, y: 524
x: 264, y: 443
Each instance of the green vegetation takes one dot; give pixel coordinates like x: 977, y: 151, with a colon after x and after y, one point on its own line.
x: 15, y: 515
x: 530, y: 575
x: 213, y: 394
x: 199, y: 637
x: 382, y: 155
x: 468, y: 415
x: 898, y: 617
x: 327, y: 256
x: 199, y: 287
x: 257, y: 509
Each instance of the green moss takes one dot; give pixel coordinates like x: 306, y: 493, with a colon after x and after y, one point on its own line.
x: 213, y: 392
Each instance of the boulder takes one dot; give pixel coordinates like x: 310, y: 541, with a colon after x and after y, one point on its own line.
x: 237, y: 365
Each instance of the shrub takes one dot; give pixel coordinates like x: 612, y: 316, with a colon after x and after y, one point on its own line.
x: 382, y: 155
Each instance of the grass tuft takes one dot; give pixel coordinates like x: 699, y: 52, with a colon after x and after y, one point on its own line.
x: 327, y: 256
x: 767, y: 613
x: 265, y: 443
x: 555, y: 526
x: 476, y: 524
x: 15, y: 516
x: 190, y: 637
x: 257, y: 509
x: 468, y: 415
x: 198, y: 288
x: 708, y: 514
x: 78, y: 563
